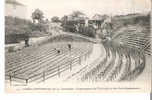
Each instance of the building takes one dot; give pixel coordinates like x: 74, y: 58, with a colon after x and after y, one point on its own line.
x: 15, y: 9
x: 97, y: 20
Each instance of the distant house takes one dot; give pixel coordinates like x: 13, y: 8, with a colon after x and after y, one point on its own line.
x: 15, y: 9
x: 82, y: 19
x: 97, y: 20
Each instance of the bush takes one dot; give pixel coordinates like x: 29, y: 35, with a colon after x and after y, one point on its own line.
x: 69, y: 26
x: 89, y: 31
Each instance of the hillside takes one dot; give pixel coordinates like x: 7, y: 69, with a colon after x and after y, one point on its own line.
x: 138, y: 22
x: 16, y: 29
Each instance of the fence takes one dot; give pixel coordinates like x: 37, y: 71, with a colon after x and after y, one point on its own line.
x: 56, y: 69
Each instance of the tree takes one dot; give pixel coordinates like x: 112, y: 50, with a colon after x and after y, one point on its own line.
x: 37, y: 15
x: 64, y: 19
x: 77, y: 14
x: 55, y: 19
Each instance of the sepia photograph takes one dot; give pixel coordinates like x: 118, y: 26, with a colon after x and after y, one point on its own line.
x: 77, y: 46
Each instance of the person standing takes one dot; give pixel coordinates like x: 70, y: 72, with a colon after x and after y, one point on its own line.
x: 26, y: 41
x: 69, y: 47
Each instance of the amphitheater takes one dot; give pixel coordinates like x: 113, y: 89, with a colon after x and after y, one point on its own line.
x: 87, y: 60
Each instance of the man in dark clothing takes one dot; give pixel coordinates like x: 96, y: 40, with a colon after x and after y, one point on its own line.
x: 26, y: 42
x: 69, y: 46
x: 58, y: 51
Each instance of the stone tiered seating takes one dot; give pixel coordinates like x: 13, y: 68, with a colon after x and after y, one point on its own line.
x: 41, y: 63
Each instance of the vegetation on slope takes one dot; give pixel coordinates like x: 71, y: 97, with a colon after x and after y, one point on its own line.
x: 17, y: 29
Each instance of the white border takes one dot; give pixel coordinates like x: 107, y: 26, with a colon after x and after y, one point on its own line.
x: 90, y: 96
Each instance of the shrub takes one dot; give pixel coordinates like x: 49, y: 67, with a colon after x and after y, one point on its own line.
x: 89, y: 31
x: 69, y: 26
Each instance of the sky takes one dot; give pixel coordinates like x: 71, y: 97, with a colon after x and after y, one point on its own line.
x: 89, y: 7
